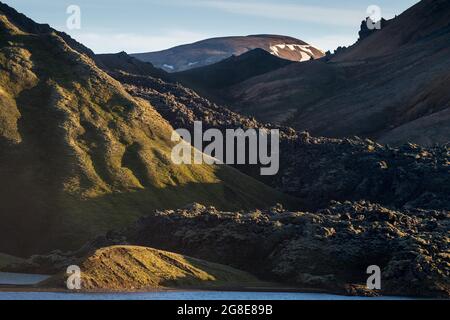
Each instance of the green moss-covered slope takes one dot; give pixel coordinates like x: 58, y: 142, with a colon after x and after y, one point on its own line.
x: 131, y: 268
x: 79, y: 156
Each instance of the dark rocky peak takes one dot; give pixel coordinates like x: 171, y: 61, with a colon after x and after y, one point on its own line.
x: 365, y: 31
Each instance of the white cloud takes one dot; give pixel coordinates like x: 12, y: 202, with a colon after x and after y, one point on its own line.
x: 292, y: 12
x: 132, y: 42
x: 101, y: 42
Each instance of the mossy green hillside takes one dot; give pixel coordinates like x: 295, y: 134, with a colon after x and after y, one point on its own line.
x: 79, y: 155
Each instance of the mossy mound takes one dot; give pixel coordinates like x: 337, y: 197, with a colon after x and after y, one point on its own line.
x: 131, y: 268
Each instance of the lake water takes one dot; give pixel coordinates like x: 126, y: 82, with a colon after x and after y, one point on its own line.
x: 29, y: 279
x: 180, y: 295
x: 20, y: 279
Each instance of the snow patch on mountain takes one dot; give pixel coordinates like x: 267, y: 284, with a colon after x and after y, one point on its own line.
x: 168, y: 66
x: 304, y: 52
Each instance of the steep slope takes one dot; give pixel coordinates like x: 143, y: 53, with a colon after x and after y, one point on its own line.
x: 182, y: 107
x: 79, y: 155
x: 210, y: 51
x: 25, y: 24
x: 391, y: 86
x: 132, y: 268
x: 425, y: 20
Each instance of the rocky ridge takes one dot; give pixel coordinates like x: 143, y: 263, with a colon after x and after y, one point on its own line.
x: 329, y: 249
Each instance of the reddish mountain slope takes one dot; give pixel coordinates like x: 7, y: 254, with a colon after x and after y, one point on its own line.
x: 210, y: 51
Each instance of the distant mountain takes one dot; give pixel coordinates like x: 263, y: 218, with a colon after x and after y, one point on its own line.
x: 392, y: 85
x: 79, y: 155
x: 210, y: 51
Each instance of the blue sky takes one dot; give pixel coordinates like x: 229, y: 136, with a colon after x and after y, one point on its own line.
x: 149, y: 25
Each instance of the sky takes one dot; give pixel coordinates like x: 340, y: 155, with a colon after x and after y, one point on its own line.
x: 110, y: 26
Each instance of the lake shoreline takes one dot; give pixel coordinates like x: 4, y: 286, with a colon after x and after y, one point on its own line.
x: 16, y: 284
x: 182, y: 295
x: 270, y: 291
x: 36, y: 288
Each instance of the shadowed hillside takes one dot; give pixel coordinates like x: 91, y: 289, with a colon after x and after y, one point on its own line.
x: 210, y: 80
